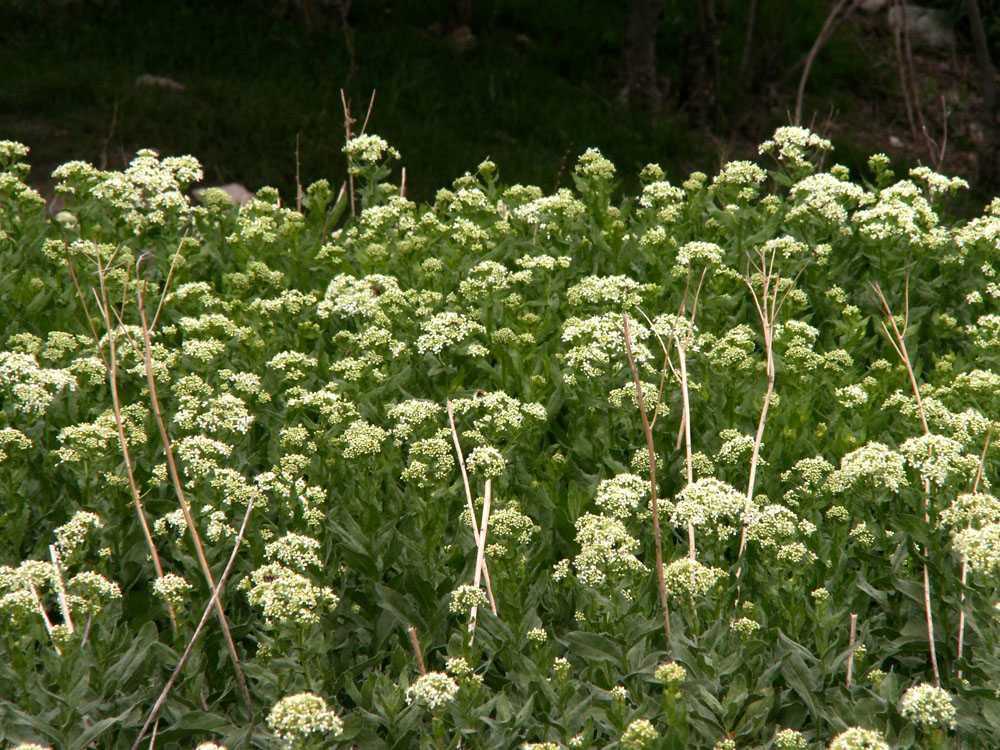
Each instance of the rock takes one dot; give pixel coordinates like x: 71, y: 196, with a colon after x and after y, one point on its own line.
x: 236, y: 192
x: 161, y: 82
x: 931, y: 26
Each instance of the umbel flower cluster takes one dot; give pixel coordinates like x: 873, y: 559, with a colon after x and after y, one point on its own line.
x: 410, y: 438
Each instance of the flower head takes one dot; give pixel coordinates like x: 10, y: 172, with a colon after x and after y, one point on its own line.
x: 297, y: 716
x: 434, y: 688
x: 929, y: 706
x: 857, y: 738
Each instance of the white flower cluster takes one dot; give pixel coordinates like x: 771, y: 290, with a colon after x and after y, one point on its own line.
x: 937, y: 458
x: 619, y: 291
x: 429, y: 458
x: 434, y: 689
x: 362, y: 438
x: 12, y: 437
x: 410, y: 414
x: 295, y: 551
x: 295, y: 717
x: 770, y: 525
x: 549, y: 208
x: 497, y: 413
x: 31, y: 388
x: 368, y: 149
x: 465, y: 597
x: 736, y: 447
x: 510, y: 525
x: 89, y: 591
x: 900, y: 213
x: 621, y: 495
x: 598, y: 342
x: 285, y: 595
x: 793, y: 145
x: 938, y: 185
x: 689, y: 578
x: 789, y: 739
x: 874, y: 464
x: 707, y: 503
x: 70, y: 536
x: 331, y: 406
x: 487, y: 278
x: 678, y: 328
x: 376, y: 298
x: 606, y: 549
x: 857, y: 738
x: 547, y: 262
x: 851, y: 396
x: 972, y: 510
x: 828, y: 197
x: 670, y: 673
x: 446, y: 329
x: 980, y: 547
x: 929, y: 706
x: 486, y: 461
x: 639, y: 735
x: 172, y: 588
x: 592, y: 164
x: 702, y: 253
x: 733, y: 350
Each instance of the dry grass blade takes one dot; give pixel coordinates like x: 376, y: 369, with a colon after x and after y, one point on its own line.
x: 212, y: 603
x: 850, y: 647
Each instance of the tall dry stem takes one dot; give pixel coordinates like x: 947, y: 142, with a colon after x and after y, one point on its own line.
x: 965, y: 562
x: 654, y: 502
x: 179, y: 489
x: 898, y: 343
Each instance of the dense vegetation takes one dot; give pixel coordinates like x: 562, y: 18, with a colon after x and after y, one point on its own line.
x: 704, y: 466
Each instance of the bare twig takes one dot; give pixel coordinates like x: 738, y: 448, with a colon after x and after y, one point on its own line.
x: 652, y: 479
x: 850, y: 646
x: 212, y: 603
x: 45, y: 615
x: 901, y: 66
x: 348, y: 122
x: 298, y: 173
x: 185, y: 508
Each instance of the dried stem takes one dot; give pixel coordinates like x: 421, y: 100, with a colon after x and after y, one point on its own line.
x: 481, y: 553
x: 903, y: 86
x: 415, y: 643
x: 111, y: 365
x: 61, y: 590
x: 185, y: 508
x: 44, y: 614
x: 896, y: 339
x: 348, y: 122
x: 965, y: 562
x: 212, y: 602
x: 468, y: 498
x: 850, y: 646
x: 652, y: 479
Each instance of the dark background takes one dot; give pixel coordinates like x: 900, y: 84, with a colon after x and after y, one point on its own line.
x: 530, y: 83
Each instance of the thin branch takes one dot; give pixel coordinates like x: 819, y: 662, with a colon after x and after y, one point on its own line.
x: 212, y: 602
x: 61, y: 590
x: 654, y: 502
x: 45, y: 616
x: 415, y: 643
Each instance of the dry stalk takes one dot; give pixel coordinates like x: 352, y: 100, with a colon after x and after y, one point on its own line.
x: 61, y: 590
x: 45, y: 616
x: 850, y: 646
x: 179, y: 488
x: 348, y: 122
x: 468, y: 499
x: 896, y: 339
x: 652, y: 479
x: 904, y: 88
x: 481, y: 553
x: 111, y: 366
x: 213, y: 602
x: 965, y: 563
x: 415, y: 643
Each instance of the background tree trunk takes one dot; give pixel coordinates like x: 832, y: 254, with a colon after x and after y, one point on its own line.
x: 641, y: 84
x: 989, y: 152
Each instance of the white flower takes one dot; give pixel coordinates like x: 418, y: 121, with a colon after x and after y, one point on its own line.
x: 620, y: 496
x: 689, y: 577
x: 875, y: 464
x: 928, y: 705
x: 486, y: 461
x: 434, y: 688
x: 295, y: 717
x: 465, y: 597
x: 362, y: 438
x: 294, y: 550
x: 705, y: 502
x: 789, y: 739
x: 639, y: 735
x: 857, y: 738
x: 284, y: 594
x: 172, y: 588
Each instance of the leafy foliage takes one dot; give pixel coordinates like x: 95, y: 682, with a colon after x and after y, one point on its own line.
x: 309, y: 366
